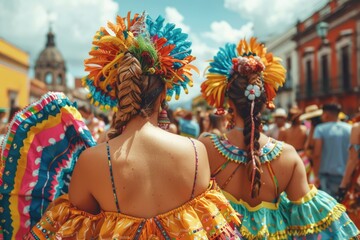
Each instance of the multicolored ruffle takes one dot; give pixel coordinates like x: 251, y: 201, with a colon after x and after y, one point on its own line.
x: 208, y: 216
x: 38, y: 156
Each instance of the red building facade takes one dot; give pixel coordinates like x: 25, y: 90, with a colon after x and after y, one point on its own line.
x: 329, y: 67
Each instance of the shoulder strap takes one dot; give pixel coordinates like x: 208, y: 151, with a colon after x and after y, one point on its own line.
x: 220, y: 168
x: 275, y: 181
x: 112, y: 178
x: 196, y: 169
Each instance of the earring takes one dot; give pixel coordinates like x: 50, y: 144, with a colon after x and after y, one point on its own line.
x: 230, y: 117
x: 163, y: 119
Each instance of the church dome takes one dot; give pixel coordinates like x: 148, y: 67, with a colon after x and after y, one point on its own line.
x: 50, y: 57
x: 50, y: 66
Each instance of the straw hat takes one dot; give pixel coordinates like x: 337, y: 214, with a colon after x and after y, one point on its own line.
x: 311, y: 111
x: 279, y: 112
x: 295, y: 112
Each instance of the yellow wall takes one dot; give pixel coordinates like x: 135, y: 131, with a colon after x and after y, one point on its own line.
x: 14, y: 53
x: 14, y: 81
x: 14, y: 66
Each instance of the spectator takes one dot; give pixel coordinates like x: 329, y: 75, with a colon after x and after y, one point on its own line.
x: 331, y: 149
x: 188, y: 127
x: 279, y: 124
x: 312, y: 116
x: 298, y: 142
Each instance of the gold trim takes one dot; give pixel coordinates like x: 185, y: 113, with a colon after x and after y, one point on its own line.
x: 321, y: 225
x: 263, y: 233
x: 263, y: 204
x: 308, y: 196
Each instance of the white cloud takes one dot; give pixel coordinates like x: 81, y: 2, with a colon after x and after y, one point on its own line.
x: 222, y: 32
x: 200, y: 49
x: 26, y: 23
x: 270, y: 17
x: 174, y: 16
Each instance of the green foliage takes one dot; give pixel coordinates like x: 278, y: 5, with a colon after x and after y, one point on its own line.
x: 144, y: 45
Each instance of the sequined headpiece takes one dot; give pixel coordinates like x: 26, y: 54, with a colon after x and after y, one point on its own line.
x: 246, y: 58
x: 162, y: 49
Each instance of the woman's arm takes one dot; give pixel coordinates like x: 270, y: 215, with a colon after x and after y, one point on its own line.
x: 79, y: 189
x: 353, y: 156
x: 298, y: 185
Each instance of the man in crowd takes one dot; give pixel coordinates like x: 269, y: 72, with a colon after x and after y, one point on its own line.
x: 331, y: 149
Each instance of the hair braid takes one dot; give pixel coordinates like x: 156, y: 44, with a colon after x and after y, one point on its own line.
x: 128, y: 90
x: 236, y: 93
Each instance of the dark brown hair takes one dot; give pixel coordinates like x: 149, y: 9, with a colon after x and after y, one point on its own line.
x: 236, y: 94
x: 137, y: 93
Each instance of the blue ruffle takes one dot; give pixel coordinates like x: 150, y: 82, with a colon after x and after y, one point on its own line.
x: 315, y: 216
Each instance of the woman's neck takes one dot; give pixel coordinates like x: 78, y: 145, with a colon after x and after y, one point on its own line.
x: 138, y: 122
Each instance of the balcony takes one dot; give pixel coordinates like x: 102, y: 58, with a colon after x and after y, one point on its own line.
x: 303, y: 92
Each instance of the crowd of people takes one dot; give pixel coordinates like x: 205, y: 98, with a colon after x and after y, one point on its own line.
x: 221, y: 172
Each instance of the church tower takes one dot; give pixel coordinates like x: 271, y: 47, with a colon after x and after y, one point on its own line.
x: 50, y: 66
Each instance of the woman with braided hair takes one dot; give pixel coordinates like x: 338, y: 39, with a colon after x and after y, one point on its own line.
x: 140, y: 184
x: 264, y: 179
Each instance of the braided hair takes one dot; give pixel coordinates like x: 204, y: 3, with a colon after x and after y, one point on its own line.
x: 136, y: 93
x: 250, y: 112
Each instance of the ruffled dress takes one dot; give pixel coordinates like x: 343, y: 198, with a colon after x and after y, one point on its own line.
x: 207, y: 216
x: 314, y: 216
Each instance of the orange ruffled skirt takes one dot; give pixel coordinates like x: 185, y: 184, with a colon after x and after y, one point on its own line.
x: 208, y: 216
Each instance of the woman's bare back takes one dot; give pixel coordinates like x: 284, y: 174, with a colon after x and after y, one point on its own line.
x: 288, y: 169
x: 153, y: 171
x: 295, y: 136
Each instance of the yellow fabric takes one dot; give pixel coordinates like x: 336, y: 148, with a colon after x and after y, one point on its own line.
x: 310, y: 195
x: 207, y: 216
x: 269, y: 205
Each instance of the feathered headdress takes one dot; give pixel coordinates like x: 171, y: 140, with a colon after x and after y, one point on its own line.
x: 161, y: 49
x: 245, y: 58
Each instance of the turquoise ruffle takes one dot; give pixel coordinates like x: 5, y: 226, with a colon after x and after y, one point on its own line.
x: 315, y: 216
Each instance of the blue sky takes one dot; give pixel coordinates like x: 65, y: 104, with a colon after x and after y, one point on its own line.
x: 210, y: 24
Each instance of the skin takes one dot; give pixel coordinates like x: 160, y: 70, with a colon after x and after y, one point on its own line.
x: 295, y: 136
x: 288, y: 168
x: 353, y: 155
x: 152, y: 174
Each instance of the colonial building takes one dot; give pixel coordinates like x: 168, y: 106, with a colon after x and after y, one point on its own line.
x: 50, y: 66
x: 328, y: 46
x: 284, y: 47
x: 14, y: 81
x: 37, y: 89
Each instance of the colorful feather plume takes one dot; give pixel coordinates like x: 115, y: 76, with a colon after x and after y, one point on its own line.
x: 161, y: 49
x: 222, y: 67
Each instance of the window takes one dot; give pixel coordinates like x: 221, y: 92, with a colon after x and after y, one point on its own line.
x: 48, y: 78
x: 13, y: 98
x: 59, y: 80
x: 288, y: 83
x: 325, y: 74
x: 345, y: 68
x: 308, y: 70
